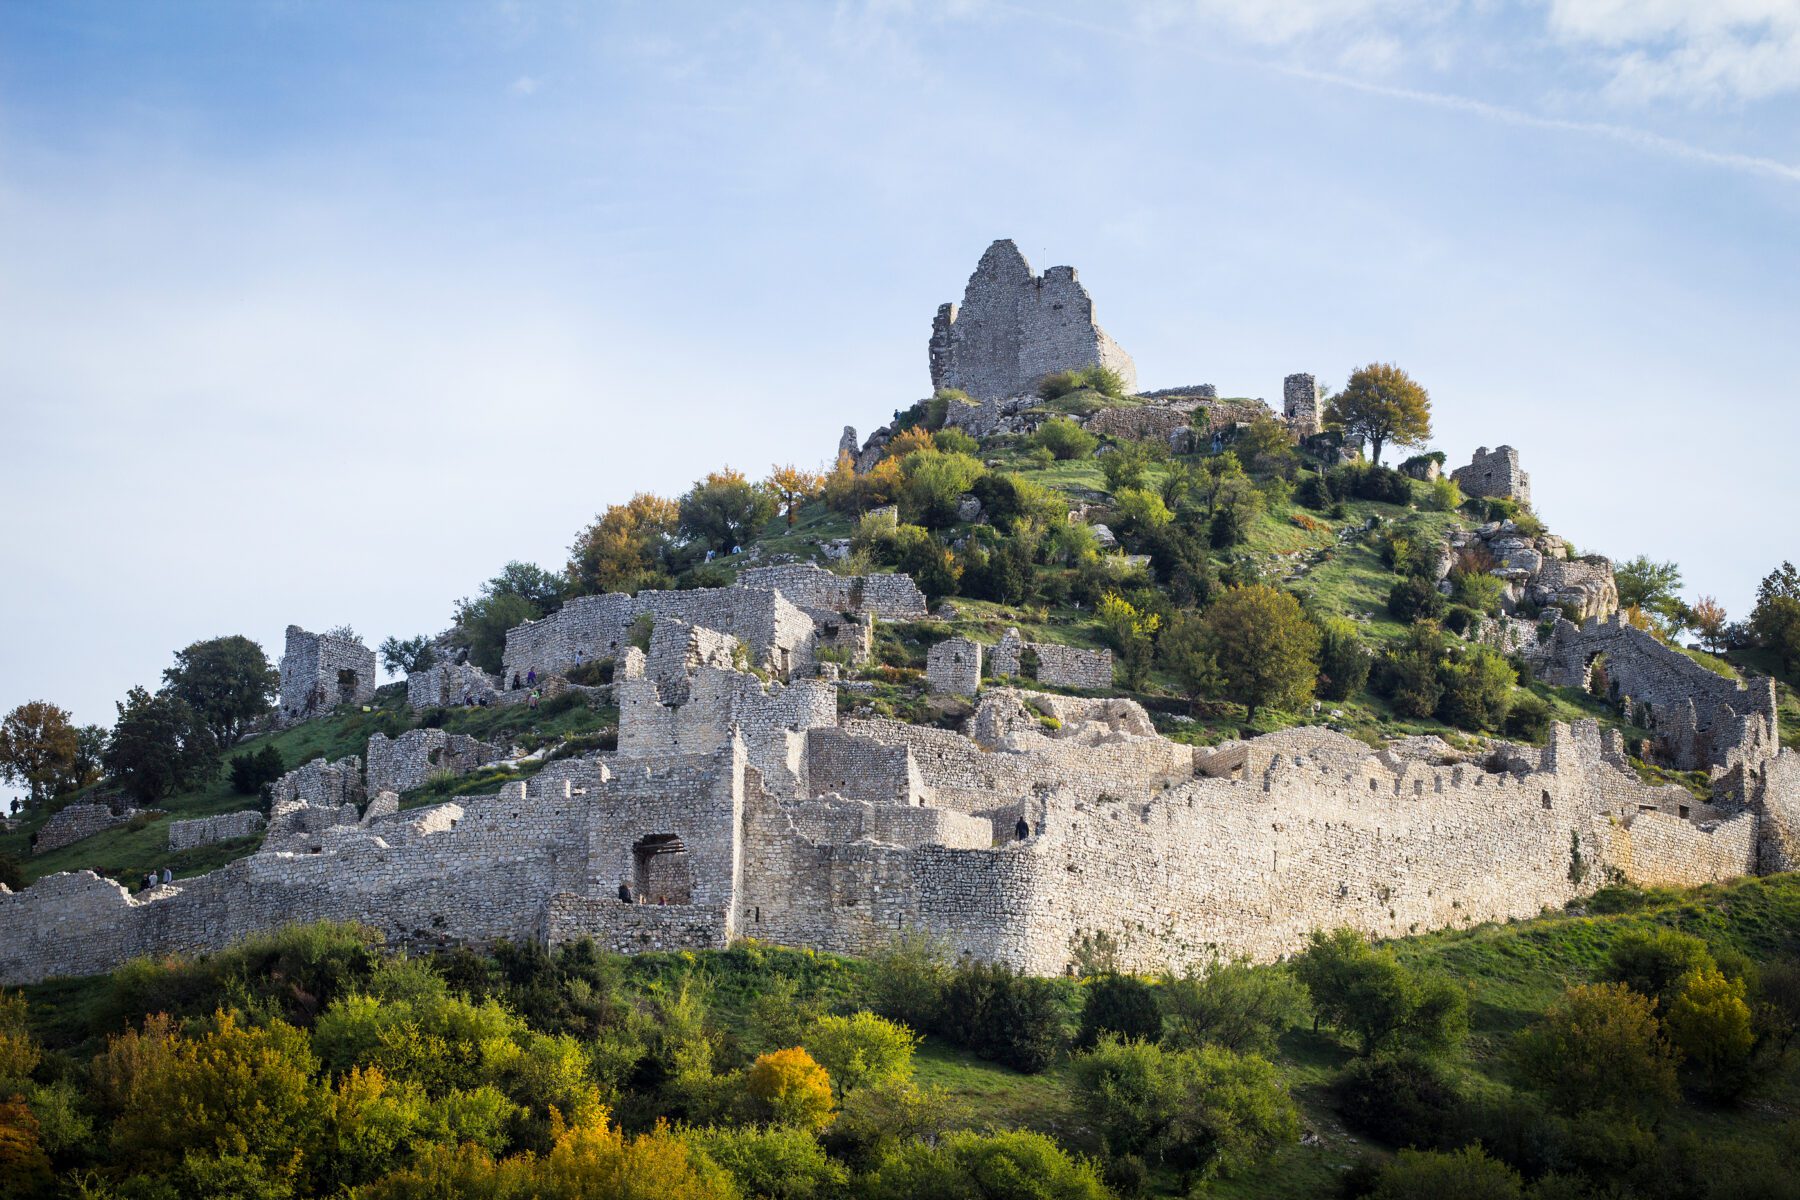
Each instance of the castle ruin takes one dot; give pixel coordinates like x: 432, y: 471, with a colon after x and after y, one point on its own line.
x: 1014, y: 327
x: 320, y: 671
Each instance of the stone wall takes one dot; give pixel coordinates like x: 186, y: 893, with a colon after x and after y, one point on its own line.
x: 885, y: 597
x: 418, y: 756
x: 780, y: 637
x: 954, y: 665
x: 444, y: 684
x: 74, y: 822
x: 204, y: 831
x: 1015, y: 327
x: 770, y: 719
x: 320, y: 671
x: 1302, y: 405
x: 323, y: 783
x: 1148, y: 422
x: 1495, y: 473
x: 1060, y: 666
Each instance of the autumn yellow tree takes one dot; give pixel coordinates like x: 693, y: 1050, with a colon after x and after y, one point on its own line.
x: 1709, y: 622
x: 1382, y: 404
x: 621, y: 550
x: 38, y: 747
x: 791, y: 1088
x: 793, y: 487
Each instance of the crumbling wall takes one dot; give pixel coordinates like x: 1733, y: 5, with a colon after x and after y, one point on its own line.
x: 954, y: 665
x: 418, y: 756
x: 204, y: 831
x: 444, y: 684
x: 1302, y: 405
x: 74, y: 822
x: 1060, y: 666
x: 1015, y: 327
x: 1495, y: 473
x: 330, y: 784
x: 772, y: 720
x: 320, y: 671
x: 885, y: 597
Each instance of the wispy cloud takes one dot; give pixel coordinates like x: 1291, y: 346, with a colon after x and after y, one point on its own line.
x: 525, y: 85
x: 1696, y: 50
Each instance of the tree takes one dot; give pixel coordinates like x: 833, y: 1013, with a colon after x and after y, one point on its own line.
x: 1415, y: 598
x: 158, y: 744
x: 38, y: 748
x: 1654, y: 962
x: 793, y: 487
x: 1132, y: 634
x: 482, y: 623
x: 1367, y: 993
x: 1267, y: 445
x: 1236, y: 1005
x: 1121, y: 1005
x: 725, y: 510
x: 1409, y: 674
x: 1709, y: 621
x: 410, y: 655
x: 935, y: 484
x: 1776, y: 618
x: 1126, y: 465
x: 1600, y: 1047
x: 1205, y: 1110
x: 250, y: 771
x: 1478, y: 689
x: 1709, y: 1023
x: 622, y: 551
x: 861, y: 1050
x: 1344, y: 660
x: 529, y: 582
x: 1064, y: 439
x: 1382, y: 404
x: 790, y: 1088
x: 228, y: 681
x: 1265, y: 649
x: 1651, y: 588
x: 774, y: 1162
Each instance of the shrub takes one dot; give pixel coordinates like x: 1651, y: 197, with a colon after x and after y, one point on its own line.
x: 1478, y: 590
x: 1126, y: 465
x: 1002, y: 1015
x: 1599, y: 1047
x: 1443, y: 496
x: 790, y: 1088
x: 1529, y: 717
x: 1118, y: 1004
x: 1013, y: 1165
x: 874, y: 1122
x: 1403, y: 1099
x: 249, y: 772
x: 1708, y: 1021
x: 1206, y: 1110
x: 907, y: 978
x: 1467, y: 1174
x: 954, y: 441
x: 1415, y: 598
x: 1064, y: 439
x: 1478, y: 689
x: 1367, y: 993
x: 861, y: 1050
x: 1096, y: 378
x: 1236, y: 1005
x: 1344, y: 661
x: 1654, y: 962
x: 776, y: 1162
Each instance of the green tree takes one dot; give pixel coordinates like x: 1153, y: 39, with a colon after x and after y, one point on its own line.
x: 1600, y: 1047
x: 1409, y: 674
x: 861, y: 1050
x: 1205, y: 1110
x: 1709, y: 1023
x: 1367, y: 993
x: 1344, y: 660
x: 935, y: 483
x: 251, y: 770
x: 407, y: 655
x: 907, y: 978
x: 482, y: 623
x: 1381, y: 404
x: 1265, y: 649
x: 1652, y: 588
x: 542, y: 589
x: 1236, y: 1005
x: 158, y: 744
x: 1010, y: 1165
x: 1121, y: 1005
x: 725, y: 510
x: 1064, y: 439
x: 1466, y: 1174
x: 1654, y: 962
x: 1267, y: 445
x: 38, y: 748
x: 1132, y: 635
x: 1003, y: 1015
x: 774, y: 1162
x: 1776, y: 618
x: 1126, y: 466
x: 1478, y: 689
x: 227, y: 681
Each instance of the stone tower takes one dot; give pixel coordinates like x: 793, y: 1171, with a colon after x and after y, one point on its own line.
x: 1300, y: 404
x: 1015, y: 327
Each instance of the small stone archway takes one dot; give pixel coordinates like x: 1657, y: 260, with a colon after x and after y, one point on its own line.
x: 346, y: 685
x: 661, y: 872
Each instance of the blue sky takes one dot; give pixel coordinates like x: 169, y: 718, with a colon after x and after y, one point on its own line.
x: 320, y: 313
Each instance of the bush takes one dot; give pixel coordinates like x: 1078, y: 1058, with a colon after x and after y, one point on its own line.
x: 1466, y: 1174
x: 776, y: 1162
x: 1064, y: 439
x: 1344, y: 661
x: 1002, y: 1015
x: 789, y: 1088
x: 1479, y: 591
x: 1367, y: 993
x: 1599, y: 1047
x: 1403, y: 1099
x: 1105, y: 380
x: 907, y: 978
x: 249, y: 772
x: 1236, y: 1005
x: 1125, y: 466
x: 1014, y: 1165
x: 1415, y: 598
x: 1654, y: 962
x: 1478, y: 689
x: 954, y: 441
x: 1709, y: 1023
x: 1529, y: 717
x: 874, y: 1122
x: 1118, y: 1004
x: 861, y: 1050
x: 1205, y: 1110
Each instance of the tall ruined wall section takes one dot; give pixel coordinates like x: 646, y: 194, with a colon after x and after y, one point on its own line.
x: 771, y: 719
x: 1495, y: 473
x: 779, y: 635
x: 320, y: 671
x: 884, y: 597
x: 1015, y: 327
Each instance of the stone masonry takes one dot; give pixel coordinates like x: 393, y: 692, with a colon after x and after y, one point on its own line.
x: 204, y: 831
x: 954, y: 666
x: 418, y: 756
x: 1060, y: 666
x: 739, y: 806
x: 320, y: 671
x: 1014, y: 327
x: 444, y: 683
x: 75, y: 822
x: 1302, y: 405
x: 1495, y: 473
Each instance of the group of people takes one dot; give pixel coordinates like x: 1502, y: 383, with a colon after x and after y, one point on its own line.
x: 152, y: 878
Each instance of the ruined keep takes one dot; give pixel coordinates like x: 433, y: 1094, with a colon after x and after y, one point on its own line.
x: 1302, y: 405
x: 1014, y: 327
x: 1495, y: 474
x: 320, y: 671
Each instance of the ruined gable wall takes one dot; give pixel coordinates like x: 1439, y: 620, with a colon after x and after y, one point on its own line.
x: 772, y: 719
x: 310, y: 667
x: 448, y: 683
x: 322, y: 783
x: 1057, y: 330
